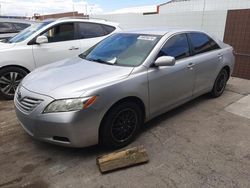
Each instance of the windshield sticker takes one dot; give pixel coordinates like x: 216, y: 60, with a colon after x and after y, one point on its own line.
x: 150, y: 38
x: 113, y: 61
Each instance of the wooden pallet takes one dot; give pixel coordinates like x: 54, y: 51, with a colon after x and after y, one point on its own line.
x: 122, y: 159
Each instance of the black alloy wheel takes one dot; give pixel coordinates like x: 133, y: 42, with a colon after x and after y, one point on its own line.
x: 124, y: 124
x: 220, y: 83
x: 121, y: 125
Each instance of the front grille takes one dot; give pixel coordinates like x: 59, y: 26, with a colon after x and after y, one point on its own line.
x: 28, y: 104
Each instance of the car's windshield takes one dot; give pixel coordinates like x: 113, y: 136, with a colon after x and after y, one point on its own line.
x: 125, y: 49
x: 27, y: 32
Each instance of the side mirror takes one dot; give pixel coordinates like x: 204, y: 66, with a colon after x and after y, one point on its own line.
x: 42, y: 40
x: 165, y: 61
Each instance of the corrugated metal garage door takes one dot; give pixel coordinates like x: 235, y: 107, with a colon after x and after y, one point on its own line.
x: 237, y: 34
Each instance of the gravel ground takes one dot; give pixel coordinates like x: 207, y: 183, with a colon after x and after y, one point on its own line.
x: 199, y: 144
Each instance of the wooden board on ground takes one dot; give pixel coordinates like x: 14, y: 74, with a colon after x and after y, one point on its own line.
x: 122, y: 159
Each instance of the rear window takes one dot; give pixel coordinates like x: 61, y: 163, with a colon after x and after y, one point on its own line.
x: 92, y: 30
x: 20, y: 26
x: 202, y: 43
x: 6, y: 28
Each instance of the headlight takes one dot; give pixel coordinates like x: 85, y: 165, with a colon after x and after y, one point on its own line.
x: 67, y: 105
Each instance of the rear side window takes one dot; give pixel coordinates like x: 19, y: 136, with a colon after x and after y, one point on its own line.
x: 214, y: 45
x: 62, y: 32
x: 202, y: 43
x: 92, y: 30
x: 20, y: 26
x: 6, y: 28
x: 108, y: 29
x: 177, y: 47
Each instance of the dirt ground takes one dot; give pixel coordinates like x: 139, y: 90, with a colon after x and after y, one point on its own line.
x: 199, y: 144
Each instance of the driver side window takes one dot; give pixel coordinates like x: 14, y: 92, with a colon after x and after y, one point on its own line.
x: 177, y: 47
x: 59, y: 33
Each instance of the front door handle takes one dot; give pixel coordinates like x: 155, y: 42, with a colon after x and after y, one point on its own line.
x: 74, y: 48
x: 190, y: 65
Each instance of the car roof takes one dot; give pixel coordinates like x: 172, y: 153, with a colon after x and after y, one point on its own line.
x: 159, y: 31
x: 100, y: 21
x: 13, y: 20
x: 163, y: 31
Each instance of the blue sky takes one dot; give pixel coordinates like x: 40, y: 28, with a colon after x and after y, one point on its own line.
x: 29, y: 7
x: 110, y: 5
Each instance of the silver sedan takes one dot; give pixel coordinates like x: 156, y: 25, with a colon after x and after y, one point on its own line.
x: 107, y: 93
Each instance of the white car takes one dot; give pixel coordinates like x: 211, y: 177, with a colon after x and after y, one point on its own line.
x: 44, y: 43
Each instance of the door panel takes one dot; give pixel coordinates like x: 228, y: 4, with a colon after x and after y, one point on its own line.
x: 52, y: 52
x: 170, y: 86
x: 206, y: 58
x: 205, y: 71
x: 61, y: 44
x: 85, y: 44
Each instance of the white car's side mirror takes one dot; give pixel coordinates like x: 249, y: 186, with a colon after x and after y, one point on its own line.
x: 165, y: 61
x: 42, y: 40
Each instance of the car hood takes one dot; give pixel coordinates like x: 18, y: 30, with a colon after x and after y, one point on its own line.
x: 72, y: 77
x: 5, y: 46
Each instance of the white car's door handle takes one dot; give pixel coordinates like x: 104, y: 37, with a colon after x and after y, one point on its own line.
x: 190, y: 65
x: 74, y: 48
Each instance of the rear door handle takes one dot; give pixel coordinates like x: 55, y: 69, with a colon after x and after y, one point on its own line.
x: 190, y: 65
x: 74, y: 48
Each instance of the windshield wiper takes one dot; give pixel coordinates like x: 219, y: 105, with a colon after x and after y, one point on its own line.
x: 100, y: 61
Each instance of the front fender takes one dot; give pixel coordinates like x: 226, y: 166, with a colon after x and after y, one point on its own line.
x: 17, y: 56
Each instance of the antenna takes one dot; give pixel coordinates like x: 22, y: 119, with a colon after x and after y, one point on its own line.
x: 203, y: 13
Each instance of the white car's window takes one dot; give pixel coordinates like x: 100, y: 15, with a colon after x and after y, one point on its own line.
x: 202, y: 43
x: 123, y: 49
x: 26, y: 33
x: 62, y: 32
x: 108, y: 29
x: 91, y: 30
x: 177, y: 47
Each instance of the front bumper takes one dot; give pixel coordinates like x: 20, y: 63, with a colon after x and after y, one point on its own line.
x: 72, y: 129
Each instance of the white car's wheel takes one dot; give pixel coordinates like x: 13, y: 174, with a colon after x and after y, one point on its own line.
x: 10, y: 78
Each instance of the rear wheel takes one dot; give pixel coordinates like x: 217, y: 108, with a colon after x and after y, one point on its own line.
x: 121, y: 125
x: 220, y: 83
x: 10, y: 78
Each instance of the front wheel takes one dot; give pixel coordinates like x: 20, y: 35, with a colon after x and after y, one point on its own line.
x: 10, y: 78
x: 121, y: 125
x: 220, y: 84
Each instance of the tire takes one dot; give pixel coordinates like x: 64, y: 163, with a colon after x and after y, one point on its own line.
x: 10, y: 78
x: 121, y: 125
x: 220, y: 84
